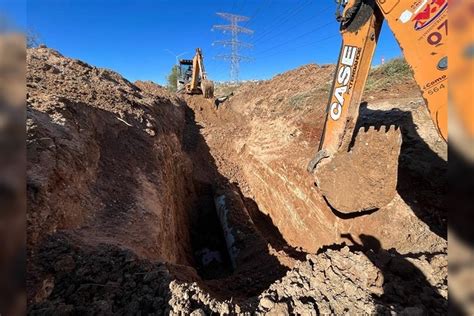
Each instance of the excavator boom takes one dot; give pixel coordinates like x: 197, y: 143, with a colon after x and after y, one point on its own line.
x: 348, y: 180
x: 197, y: 83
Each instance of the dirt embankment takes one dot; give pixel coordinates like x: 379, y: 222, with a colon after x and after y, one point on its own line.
x: 143, y: 201
x: 105, y: 160
x: 265, y: 135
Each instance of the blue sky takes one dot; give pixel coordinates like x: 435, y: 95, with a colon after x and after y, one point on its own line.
x: 14, y: 11
x: 135, y: 37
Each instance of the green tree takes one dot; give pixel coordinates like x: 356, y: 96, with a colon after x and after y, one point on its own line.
x: 173, y: 78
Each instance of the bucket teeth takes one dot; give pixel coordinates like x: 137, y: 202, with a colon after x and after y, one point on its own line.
x: 388, y: 128
x: 378, y: 128
x: 365, y: 177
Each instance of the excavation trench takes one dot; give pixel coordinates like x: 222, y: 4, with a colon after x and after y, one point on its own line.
x: 232, y: 257
x: 230, y: 240
x: 132, y: 189
x: 209, y: 245
x: 222, y: 232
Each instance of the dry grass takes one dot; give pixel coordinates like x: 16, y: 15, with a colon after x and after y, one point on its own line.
x: 225, y: 88
x: 394, y: 71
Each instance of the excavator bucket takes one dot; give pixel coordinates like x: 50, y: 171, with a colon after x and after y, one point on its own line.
x: 207, y: 88
x: 365, y: 176
x: 358, y: 171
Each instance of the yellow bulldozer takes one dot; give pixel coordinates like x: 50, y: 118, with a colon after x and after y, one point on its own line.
x: 192, y: 77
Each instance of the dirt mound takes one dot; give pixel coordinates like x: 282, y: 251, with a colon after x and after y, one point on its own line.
x: 155, y: 89
x: 372, y: 282
x: 335, y: 281
x: 391, y: 80
x: 106, y: 280
x: 358, y: 281
x: 286, y: 94
x: 105, y: 161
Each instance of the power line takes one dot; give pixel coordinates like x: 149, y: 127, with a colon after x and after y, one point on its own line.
x: 304, y: 45
x: 230, y: 43
x: 234, y: 57
x: 234, y: 2
x: 241, y: 6
x: 282, y: 19
x: 296, y: 38
x: 176, y: 56
x: 283, y: 16
x: 252, y: 17
x: 259, y: 40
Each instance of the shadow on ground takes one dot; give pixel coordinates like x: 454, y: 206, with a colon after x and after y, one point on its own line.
x: 257, y: 267
x: 422, y: 181
x: 404, y: 284
x: 104, y: 280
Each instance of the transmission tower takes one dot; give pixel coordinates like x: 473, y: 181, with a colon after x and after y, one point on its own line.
x: 234, y: 57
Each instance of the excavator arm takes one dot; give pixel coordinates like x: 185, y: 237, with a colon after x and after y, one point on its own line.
x: 199, y: 82
x: 207, y: 86
x: 357, y: 170
x: 194, y: 84
x: 353, y: 68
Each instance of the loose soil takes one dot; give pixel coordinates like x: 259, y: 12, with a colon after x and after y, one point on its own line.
x: 142, y: 201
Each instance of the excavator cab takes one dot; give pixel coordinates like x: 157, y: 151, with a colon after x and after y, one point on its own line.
x: 185, y: 73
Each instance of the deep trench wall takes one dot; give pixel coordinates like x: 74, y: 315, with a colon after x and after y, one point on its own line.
x: 105, y: 159
x: 280, y: 119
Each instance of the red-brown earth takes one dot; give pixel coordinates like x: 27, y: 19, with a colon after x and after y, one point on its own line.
x: 140, y: 200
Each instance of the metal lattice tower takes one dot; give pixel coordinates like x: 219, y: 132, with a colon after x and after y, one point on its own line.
x: 234, y: 57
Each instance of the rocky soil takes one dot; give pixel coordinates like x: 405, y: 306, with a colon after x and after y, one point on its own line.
x: 141, y: 201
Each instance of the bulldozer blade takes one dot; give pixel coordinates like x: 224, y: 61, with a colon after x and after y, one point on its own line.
x: 207, y: 88
x: 365, y: 177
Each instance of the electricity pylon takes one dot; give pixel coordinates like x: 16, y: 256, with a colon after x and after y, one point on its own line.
x: 234, y: 57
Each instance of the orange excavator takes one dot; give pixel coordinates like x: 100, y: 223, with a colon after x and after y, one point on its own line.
x: 356, y: 170
x: 192, y: 76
